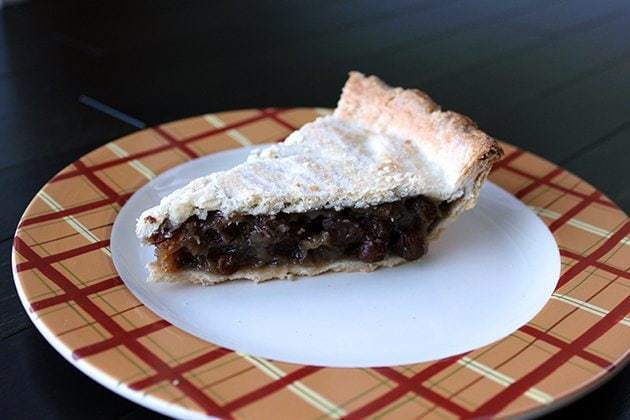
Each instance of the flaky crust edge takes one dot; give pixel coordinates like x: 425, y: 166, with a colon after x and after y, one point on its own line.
x: 411, y: 113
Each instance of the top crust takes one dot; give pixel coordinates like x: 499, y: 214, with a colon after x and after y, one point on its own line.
x: 380, y: 145
x: 449, y: 140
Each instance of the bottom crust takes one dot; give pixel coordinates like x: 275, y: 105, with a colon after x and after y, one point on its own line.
x: 268, y: 273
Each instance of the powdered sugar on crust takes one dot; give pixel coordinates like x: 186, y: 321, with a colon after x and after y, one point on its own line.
x: 380, y: 145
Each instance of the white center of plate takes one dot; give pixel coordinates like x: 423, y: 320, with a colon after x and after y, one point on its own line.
x: 489, y: 273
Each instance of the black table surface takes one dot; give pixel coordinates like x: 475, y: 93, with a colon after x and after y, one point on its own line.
x: 552, y: 77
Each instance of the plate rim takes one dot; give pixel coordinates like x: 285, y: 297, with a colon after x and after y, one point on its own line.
x: 98, y: 376
x: 172, y: 409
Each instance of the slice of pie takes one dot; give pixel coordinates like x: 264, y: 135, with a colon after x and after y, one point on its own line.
x: 366, y: 187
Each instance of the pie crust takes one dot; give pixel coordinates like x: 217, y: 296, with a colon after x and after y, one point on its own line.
x: 380, y: 145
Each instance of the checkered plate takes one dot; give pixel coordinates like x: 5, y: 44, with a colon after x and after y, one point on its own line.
x: 67, y: 282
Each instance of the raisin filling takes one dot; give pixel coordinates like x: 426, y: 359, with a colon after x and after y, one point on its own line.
x: 223, y: 245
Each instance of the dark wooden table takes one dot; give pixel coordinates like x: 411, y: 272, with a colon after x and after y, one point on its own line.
x: 552, y: 77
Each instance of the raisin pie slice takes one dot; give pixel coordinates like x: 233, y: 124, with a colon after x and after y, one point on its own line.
x: 365, y: 187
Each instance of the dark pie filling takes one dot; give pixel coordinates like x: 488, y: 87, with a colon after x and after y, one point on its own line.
x: 223, y: 245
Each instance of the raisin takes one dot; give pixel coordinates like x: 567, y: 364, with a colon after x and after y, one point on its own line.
x: 427, y: 211
x: 445, y: 208
x: 227, y: 264
x: 342, y: 231
x: 208, y: 235
x: 184, y: 258
x: 376, y: 228
x: 285, y: 249
x: 298, y: 255
x: 164, y: 232
x: 372, y: 250
x: 382, y: 211
x: 405, y: 218
x: 410, y: 245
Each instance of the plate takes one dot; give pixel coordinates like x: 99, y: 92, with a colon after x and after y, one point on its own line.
x: 384, y: 318
x: 67, y: 280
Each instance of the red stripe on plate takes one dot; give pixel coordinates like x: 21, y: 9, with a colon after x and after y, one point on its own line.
x: 531, y: 187
x: 181, y: 369
x: 493, y: 406
x: 557, y: 224
x: 507, y: 159
x: 114, y: 162
x: 614, y: 270
x: 97, y: 182
x: 270, y: 388
x: 160, y: 367
x: 72, y: 210
x: 548, y: 338
x: 173, y: 142
x: 274, y: 116
x: 590, y: 259
x: 49, y: 259
x: 560, y: 187
x: 86, y: 291
x: 117, y: 340
x: 413, y: 384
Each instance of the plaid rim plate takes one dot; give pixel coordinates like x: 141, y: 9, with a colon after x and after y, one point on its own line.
x: 67, y: 282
